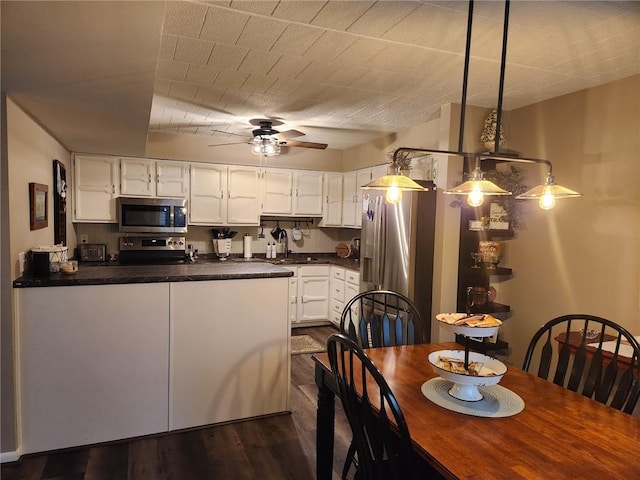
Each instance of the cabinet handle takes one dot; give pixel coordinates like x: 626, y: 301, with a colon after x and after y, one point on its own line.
x: 113, y: 189
x: 290, y: 192
x: 296, y: 192
x: 149, y: 179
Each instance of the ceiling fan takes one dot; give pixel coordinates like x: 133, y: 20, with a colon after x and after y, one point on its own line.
x: 267, y: 141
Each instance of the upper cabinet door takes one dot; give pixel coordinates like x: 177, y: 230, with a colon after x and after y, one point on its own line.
x: 362, y: 178
x: 95, y: 187
x: 307, y: 193
x: 172, y: 179
x: 137, y: 177
x: 208, y: 198
x: 276, y: 191
x: 332, y: 214
x: 243, y: 200
x: 349, y: 194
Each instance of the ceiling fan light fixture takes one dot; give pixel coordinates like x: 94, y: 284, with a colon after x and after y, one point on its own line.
x: 267, y: 146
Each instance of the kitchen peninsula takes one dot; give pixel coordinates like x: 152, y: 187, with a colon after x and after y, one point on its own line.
x: 116, y: 352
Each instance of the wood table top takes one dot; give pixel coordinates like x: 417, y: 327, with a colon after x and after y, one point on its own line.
x: 559, y: 434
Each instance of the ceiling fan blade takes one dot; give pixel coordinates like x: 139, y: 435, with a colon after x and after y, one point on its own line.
x: 223, y: 144
x: 224, y: 132
x: 289, y: 134
x: 295, y: 143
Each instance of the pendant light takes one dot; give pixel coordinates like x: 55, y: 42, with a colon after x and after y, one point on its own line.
x: 394, y: 182
x: 547, y: 193
x: 477, y: 186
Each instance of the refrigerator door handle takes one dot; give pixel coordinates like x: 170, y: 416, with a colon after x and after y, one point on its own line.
x: 379, y: 246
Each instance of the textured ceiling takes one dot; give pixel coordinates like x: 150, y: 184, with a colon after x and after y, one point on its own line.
x: 342, y: 72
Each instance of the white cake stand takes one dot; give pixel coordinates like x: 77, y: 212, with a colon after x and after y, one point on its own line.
x: 465, y: 387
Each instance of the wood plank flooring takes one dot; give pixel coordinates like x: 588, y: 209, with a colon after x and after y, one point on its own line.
x: 271, y: 448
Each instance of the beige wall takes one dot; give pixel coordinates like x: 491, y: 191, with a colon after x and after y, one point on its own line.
x: 30, y: 152
x: 582, y: 256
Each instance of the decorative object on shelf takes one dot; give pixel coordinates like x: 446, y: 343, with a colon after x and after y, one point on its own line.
x: 394, y: 182
x: 509, y: 178
x: 490, y: 252
x: 488, y: 135
x: 38, y: 205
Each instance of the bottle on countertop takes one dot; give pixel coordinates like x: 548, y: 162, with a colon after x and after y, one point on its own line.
x: 268, y: 253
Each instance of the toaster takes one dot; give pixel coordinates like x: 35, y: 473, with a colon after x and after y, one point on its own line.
x: 92, y: 252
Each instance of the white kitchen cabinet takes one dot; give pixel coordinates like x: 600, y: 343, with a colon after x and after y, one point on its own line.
x: 143, y: 177
x: 172, y: 179
x: 332, y: 213
x: 352, y: 205
x: 243, y: 199
x: 92, y: 364
x: 307, y: 193
x: 309, y: 295
x: 292, y: 192
x: 208, y: 194
x: 349, y: 194
x: 229, y: 357
x: 277, y: 186
x: 344, y: 285
x: 95, y: 188
x: 363, y: 177
x: 223, y: 195
x: 336, y: 290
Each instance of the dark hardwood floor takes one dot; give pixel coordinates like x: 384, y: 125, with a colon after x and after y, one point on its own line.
x: 271, y: 448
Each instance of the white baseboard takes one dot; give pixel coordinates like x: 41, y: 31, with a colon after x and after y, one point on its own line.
x: 10, y: 456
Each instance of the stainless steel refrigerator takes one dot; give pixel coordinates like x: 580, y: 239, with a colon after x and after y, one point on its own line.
x: 396, y: 249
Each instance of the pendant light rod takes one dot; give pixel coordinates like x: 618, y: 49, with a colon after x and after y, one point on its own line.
x: 465, y: 78
x: 508, y: 158
x: 503, y: 64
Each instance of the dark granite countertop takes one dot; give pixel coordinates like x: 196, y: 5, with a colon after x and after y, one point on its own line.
x: 202, y: 269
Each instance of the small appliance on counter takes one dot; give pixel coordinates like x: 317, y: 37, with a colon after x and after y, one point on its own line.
x: 222, y: 247
x: 92, y: 252
x: 47, y: 259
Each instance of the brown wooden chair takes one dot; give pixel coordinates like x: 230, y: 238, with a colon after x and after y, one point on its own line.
x: 590, y: 355
x: 380, y: 318
x: 380, y: 433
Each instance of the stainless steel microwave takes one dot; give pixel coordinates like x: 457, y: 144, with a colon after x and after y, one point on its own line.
x: 152, y: 215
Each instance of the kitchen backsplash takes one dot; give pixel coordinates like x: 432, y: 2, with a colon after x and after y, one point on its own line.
x: 314, y: 239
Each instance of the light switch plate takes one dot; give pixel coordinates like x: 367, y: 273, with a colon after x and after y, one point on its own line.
x: 84, y: 238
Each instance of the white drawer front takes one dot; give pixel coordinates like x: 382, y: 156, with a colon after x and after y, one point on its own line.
x: 352, y: 277
x: 313, y: 271
x: 338, y: 272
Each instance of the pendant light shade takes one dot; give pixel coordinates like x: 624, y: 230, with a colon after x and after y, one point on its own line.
x: 393, y: 184
x: 476, y: 188
x: 547, y: 193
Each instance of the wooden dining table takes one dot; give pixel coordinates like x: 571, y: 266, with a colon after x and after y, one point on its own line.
x: 559, y: 434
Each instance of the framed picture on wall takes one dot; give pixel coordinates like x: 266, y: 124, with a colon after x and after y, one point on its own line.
x: 38, y: 205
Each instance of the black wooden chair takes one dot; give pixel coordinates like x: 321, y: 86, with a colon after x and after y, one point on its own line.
x: 587, y: 359
x: 384, y: 450
x: 378, y: 318
x: 381, y: 318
